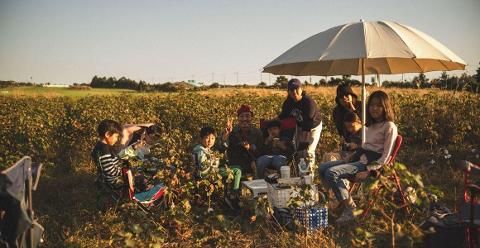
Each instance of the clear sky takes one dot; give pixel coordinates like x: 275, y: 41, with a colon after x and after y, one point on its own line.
x: 156, y: 41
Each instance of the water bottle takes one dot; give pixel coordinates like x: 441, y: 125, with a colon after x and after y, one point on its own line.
x: 303, y: 167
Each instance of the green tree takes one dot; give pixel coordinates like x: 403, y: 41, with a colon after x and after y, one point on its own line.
x: 346, y: 77
x: 262, y: 84
x: 444, y: 76
x: 281, y: 82
x: 215, y: 85
x: 423, y: 80
x: 477, y: 76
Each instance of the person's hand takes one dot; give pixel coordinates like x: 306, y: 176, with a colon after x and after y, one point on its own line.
x: 281, y: 145
x: 348, y: 157
x: 228, y: 129
x: 229, y: 126
x: 246, y: 145
x: 275, y: 141
x: 360, y: 176
x: 352, y: 146
x: 349, y: 102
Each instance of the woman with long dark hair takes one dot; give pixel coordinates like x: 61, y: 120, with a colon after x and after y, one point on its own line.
x: 381, y: 133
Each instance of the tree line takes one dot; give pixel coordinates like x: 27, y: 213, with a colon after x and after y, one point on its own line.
x: 463, y: 83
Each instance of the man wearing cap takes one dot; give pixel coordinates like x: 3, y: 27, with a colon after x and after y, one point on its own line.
x: 242, y: 141
x: 347, y: 101
x: 309, y: 123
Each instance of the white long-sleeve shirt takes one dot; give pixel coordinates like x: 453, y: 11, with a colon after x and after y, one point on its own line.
x: 380, y: 138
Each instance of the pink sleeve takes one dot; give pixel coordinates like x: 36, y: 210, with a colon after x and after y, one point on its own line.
x: 390, y: 137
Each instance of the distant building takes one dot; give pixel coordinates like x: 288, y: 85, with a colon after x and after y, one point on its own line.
x: 56, y: 85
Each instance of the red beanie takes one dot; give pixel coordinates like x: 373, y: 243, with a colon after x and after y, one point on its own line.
x: 244, y: 108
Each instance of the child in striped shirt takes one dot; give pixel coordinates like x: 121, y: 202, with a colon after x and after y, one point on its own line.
x: 104, y: 154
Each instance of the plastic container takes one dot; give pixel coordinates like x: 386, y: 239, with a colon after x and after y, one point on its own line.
x: 278, y: 197
x: 257, y: 187
x: 285, y: 172
x: 307, y: 179
x: 303, y: 168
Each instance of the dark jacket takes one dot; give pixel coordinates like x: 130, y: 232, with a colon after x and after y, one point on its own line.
x: 268, y: 149
x: 237, y: 155
x: 338, y: 114
x: 305, y: 111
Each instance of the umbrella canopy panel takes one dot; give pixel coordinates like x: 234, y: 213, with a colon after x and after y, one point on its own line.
x: 385, y: 48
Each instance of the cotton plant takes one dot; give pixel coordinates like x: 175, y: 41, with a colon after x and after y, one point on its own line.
x: 212, y: 181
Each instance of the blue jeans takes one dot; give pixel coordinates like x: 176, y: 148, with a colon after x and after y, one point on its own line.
x: 333, y: 174
x: 270, y: 161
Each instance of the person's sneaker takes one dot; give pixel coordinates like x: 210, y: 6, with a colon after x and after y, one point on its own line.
x: 347, y: 215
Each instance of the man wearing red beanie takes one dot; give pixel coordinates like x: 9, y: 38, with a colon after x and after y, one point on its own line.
x: 242, y: 141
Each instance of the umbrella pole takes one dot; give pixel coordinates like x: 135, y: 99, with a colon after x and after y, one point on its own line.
x: 364, y: 96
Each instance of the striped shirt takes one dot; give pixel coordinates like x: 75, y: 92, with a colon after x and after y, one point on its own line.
x: 108, y: 162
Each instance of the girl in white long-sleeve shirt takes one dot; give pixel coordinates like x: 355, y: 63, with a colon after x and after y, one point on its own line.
x: 381, y: 134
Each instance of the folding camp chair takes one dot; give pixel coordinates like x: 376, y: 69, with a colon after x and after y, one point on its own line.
x: 145, y: 199
x: 18, y: 224
x: 394, y: 177
x: 469, y: 205
x: 119, y: 193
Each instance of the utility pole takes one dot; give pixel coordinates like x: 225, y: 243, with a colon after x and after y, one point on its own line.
x: 236, y: 77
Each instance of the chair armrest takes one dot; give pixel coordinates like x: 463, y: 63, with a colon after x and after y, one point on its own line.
x: 474, y: 188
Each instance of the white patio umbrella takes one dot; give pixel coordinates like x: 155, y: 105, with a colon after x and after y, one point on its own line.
x: 360, y: 48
